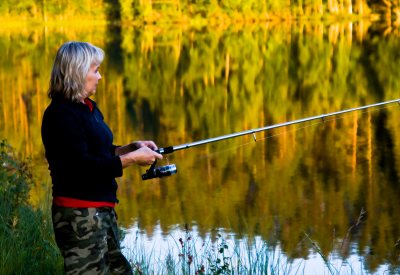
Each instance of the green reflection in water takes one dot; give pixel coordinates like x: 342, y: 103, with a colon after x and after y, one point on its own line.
x: 176, y: 86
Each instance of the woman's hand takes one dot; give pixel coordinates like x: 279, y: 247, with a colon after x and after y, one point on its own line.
x: 143, y: 156
x: 122, y: 150
x: 147, y: 143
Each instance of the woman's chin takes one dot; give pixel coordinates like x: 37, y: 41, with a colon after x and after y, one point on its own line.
x: 89, y: 94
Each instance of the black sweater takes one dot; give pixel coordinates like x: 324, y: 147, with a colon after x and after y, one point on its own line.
x: 80, y: 152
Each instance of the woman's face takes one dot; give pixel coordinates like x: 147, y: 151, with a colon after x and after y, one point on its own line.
x: 92, y: 79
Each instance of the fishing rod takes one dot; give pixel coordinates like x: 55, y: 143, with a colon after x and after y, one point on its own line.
x: 167, y: 170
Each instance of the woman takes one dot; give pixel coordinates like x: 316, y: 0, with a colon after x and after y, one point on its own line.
x: 83, y: 164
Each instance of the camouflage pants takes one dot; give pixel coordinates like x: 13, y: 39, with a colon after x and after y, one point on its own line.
x: 88, y: 240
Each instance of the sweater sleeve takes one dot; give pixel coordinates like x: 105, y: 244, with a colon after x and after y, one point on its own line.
x: 113, y: 148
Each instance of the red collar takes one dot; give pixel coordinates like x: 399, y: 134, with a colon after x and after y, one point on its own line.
x: 89, y: 104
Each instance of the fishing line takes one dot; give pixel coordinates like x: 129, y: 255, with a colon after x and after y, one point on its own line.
x: 291, y: 131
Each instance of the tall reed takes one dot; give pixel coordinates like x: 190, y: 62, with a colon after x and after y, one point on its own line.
x: 26, y: 242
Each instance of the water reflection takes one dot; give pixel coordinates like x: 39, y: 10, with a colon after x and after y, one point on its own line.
x: 177, y: 85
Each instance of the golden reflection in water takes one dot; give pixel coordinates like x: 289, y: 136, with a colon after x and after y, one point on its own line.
x: 178, y: 85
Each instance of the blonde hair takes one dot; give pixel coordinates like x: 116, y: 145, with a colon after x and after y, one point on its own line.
x: 71, y: 65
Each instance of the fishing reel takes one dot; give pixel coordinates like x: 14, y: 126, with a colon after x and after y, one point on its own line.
x: 160, y: 171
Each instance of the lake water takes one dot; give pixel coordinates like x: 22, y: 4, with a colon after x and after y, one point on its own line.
x: 308, y: 193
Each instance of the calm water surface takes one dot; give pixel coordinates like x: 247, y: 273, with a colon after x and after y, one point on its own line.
x: 294, y: 186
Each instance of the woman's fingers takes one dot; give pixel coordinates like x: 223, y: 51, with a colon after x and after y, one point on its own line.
x: 146, y: 156
x: 147, y: 143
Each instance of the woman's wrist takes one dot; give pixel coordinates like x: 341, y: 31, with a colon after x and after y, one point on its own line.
x: 126, y: 161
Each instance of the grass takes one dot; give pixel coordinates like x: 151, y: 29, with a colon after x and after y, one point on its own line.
x: 27, y: 246
x: 189, y: 254
x: 26, y: 238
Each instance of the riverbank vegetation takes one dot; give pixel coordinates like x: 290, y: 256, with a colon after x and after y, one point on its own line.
x: 195, y: 12
x: 26, y: 244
